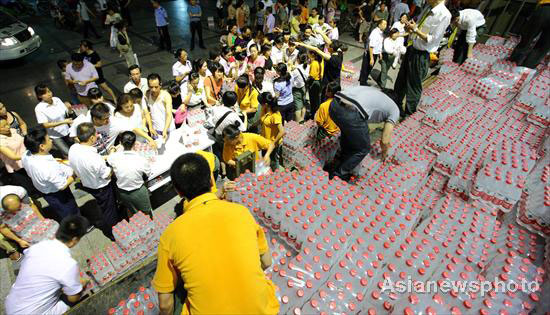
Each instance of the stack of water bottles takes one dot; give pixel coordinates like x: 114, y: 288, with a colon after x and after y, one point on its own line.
x: 534, y: 206
x: 433, y: 211
x: 136, y: 239
x: 28, y: 226
x: 142, y: 302
x: 146, y: 150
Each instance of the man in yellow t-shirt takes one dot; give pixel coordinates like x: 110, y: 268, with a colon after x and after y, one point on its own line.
x: 327, y: 127
x: 236, y: 143
x: 216, y: 248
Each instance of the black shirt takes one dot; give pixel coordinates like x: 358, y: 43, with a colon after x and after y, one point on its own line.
x: 333, y: 69
x: 268, y: 64
x: 94, y: 58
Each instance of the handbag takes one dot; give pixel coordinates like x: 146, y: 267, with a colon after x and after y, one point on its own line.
x: 180, y: 116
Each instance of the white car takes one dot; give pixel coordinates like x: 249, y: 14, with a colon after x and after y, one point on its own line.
x: 16, y: 38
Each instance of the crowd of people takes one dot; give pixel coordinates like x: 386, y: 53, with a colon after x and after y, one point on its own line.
x: 275, y: 64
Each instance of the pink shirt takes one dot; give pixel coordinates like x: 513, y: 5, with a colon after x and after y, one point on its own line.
x: 259, y: 62
x: 14, y: 143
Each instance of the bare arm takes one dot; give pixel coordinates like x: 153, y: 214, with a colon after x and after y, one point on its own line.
x: 10, y: 154
x: 323, y: 54
x: 280, y: 134
x: 265, y: 259
x: 168, y: 111
x: 166, y: 303
x: 70, y: 180
x: 385, y: 143
x: 140, y: 132
x: 57, y: 123
x: 4, y: 230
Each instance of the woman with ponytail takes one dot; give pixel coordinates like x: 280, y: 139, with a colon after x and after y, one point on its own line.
x: 272, y: 126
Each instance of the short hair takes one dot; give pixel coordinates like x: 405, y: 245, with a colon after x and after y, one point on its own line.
x: 40, y: 90
x: 302, y: 58
x: 178, y: 52
x: 393, y: 31
x: 133, y: 67
x: 267, y: 99
x: 232, y: 131
x: 193, y: 76
x: 266, y: 48
x: 173, y: 87
x: 243, y: 81
x: 154, y: 76
x: 405, y: 14
x: 261, y: 5
x: 333, y: 87
x: 381, y: 21
x: 191, y: 176
x: 86, y: 43
x: 136, y: 94
x: 78, y: 57
x: 279, y: 40
x: 34, y: 138
x: 70, y: 227
x: 85, y: 131
x: 123, y: 99
x: 120, y: 25
x: 225, y: 50
x: 99, y: 111
x: 197, y: 64
x: 127, y: 139
x: 216, y: 66
x: 269, y: 10
x: 61, y: 63
x: 454, y: 13
x: 94, y: 93
x: 9, y: 197
x: 296, y: 11
x: 229, y: 99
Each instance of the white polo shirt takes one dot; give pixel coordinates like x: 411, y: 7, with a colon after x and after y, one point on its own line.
x: 376, y: 41
x: 47, y: 174
x: 469, y: 20
x: 13, y: 190
x: 47, y: 271
x: 179, y: 69
x: 143, y: 86
x: 49, y: 113
x: 89, y: 166
x: 129, y: 168
x: 277, y: 55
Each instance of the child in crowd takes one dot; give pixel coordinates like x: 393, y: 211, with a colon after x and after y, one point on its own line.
x: 272, y: 126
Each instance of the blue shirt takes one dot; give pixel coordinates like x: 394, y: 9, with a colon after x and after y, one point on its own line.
x: 284, y: 89
x: 161, y: 17
x: 194, y: 9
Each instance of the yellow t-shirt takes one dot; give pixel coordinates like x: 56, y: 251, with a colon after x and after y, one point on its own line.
x: 211, y: 159
x: 215, y: 247
x: 294, y: 26
x: 250, y: 142
x: 322, y: 118
x: 247, y: 98
x: 316, y: 70
x: 313, y: 20
x: 270, y: 125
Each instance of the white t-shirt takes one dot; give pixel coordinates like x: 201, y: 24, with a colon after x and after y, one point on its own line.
x: 57, y: 111
x: 179, y: 69
x: 277, y: 55
x: 298, y: 76
x: 196, y: 98
x: 82, y: 9
x: 87, y: 72
x: 106, y: 134
x: 129, y: 168
x: 13, y: 190
x: 376, y: 41
x: 143, y: 86
x: 89, y: 166
x: 47, y: 271
x: 133, y: 122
